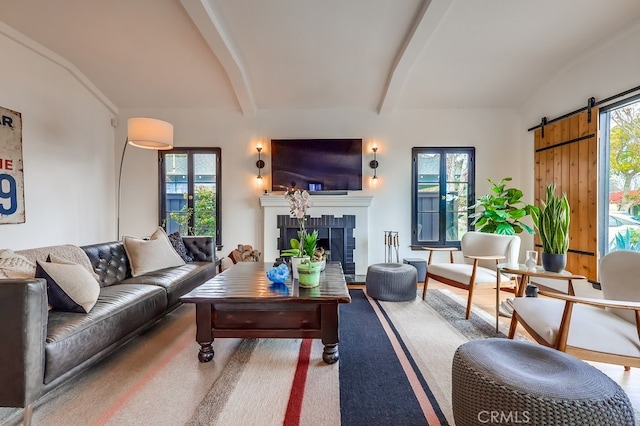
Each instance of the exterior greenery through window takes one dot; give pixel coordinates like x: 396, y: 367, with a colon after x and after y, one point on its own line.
x: 620, y: 212
x: 190, y: 191
x: 443, y: 189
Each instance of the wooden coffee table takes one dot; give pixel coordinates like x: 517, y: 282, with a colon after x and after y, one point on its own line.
x: 242, y: 302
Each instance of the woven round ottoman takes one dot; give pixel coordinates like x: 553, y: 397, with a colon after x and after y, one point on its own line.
x: 514, y: 382
x: 393, y: 282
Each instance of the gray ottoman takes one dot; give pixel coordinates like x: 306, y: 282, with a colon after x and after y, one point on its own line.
x: 514, y: 382
x: 420, y: 265
x: 394, y: 282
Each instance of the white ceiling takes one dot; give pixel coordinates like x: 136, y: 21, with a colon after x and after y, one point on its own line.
x: 378, y: 55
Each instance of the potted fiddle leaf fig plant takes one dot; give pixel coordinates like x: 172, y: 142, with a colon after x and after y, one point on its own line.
x: 552, y: 222
x: 502, y: 210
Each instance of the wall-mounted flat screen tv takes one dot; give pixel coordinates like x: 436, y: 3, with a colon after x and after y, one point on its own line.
x: 316, y: 164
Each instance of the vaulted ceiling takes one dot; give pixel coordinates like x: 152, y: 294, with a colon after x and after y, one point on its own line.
x: 378, y: 55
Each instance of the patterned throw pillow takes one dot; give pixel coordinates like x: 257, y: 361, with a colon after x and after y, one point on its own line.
x: 178, y: 245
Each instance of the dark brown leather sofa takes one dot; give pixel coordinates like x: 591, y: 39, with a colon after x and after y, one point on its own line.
x: 41, y: 349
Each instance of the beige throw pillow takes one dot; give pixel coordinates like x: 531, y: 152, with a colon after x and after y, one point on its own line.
x: 152, y: 254
x: 70, y: 287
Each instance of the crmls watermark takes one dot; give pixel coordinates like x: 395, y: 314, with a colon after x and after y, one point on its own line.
x: 504, y: 417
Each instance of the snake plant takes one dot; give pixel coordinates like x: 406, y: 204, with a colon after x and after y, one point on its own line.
x: 552, y: 222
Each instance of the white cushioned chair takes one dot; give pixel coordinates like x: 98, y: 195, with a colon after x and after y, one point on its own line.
x: 603, y: 330
x: 481, y: 253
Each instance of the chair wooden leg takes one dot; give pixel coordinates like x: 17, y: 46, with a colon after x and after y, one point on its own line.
x: 627, y: 368
x: 513, y: 325
x: 469, y: 299
x: 424, y: 287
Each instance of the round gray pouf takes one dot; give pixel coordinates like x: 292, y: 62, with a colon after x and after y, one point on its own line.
x: 394, y: 282
x: 514, y: 382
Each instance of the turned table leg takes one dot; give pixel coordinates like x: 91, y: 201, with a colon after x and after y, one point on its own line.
x: 204, y: 332
x: 329, y: 325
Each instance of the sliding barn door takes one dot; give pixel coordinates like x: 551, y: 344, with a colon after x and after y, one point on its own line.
x: 566, y: 153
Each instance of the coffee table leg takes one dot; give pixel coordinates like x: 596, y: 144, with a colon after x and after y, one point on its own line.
x: 206, y: 352
x: 330, y: 354
x: 329, y: 324
x: 204, y: 334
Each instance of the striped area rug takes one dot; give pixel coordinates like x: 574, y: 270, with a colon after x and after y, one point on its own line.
x: 394, y: 369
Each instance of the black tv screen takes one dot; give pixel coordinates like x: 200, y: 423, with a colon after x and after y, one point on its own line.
x: 316, y: 164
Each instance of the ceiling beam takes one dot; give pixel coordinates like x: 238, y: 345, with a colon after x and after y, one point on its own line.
x: 423, y: 28
x: 204, y: 16
x: 50, y: 55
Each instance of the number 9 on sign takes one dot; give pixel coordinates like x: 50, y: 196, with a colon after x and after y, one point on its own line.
x: 8, y: 194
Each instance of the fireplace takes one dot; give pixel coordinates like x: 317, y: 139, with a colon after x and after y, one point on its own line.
x: 324, y: 210
x: 335, y: 234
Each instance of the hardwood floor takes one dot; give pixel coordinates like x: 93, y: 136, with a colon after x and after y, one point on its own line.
x: 484, y: 298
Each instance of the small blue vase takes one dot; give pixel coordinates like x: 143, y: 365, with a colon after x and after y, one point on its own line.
x: 278, y: 274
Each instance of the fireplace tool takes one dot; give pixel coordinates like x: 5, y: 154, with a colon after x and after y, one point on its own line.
x: 391, y: 246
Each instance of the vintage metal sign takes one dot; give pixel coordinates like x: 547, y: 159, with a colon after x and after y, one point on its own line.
x: 11, y: 171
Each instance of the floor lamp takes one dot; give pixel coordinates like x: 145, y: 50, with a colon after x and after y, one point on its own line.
x: 147, y: 133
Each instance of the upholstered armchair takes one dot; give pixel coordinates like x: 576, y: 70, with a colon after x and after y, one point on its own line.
x: 603, y: 330
x: 481, y: 252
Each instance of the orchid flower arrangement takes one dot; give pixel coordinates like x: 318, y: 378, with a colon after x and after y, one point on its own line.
x: 299, y: 203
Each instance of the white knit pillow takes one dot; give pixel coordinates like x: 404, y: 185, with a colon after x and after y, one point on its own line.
x: 152, y: 254
x: 15, y: 266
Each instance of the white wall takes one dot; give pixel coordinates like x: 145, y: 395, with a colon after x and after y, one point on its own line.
x: 611, y: 67
x: 67, y: 154
x: 494, y: 133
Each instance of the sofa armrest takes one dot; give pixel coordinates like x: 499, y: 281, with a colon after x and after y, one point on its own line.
x: 200, y: 248
x: 23, y: 332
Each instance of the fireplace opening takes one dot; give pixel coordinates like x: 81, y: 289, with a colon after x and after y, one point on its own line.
x: 335, y: 235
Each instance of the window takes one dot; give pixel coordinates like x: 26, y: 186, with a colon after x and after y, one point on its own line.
x: 620, y: 207
x: 443, y: 189
x: 190, y: 191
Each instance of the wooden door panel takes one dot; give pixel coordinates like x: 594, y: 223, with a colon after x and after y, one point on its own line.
x: 567, y: 155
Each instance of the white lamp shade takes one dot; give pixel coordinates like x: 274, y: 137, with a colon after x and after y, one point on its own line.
x: 149, y: 133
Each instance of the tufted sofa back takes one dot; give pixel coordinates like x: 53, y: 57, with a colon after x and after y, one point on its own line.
x: 110, y: 262
x: 201, y: 249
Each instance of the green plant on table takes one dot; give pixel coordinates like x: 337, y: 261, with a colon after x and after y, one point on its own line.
x: 307, y: 248
x: 502, y: 210
x: 552, y: 222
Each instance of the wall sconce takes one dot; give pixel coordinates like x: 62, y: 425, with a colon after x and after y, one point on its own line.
x: 374, y: 165
x: 259, y: 165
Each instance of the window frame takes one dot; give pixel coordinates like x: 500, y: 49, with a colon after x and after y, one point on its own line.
x: 190, y: 152
x: 604, y: 170
x: 442, y: 151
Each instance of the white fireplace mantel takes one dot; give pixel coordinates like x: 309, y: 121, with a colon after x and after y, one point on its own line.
x: 337, y: 205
